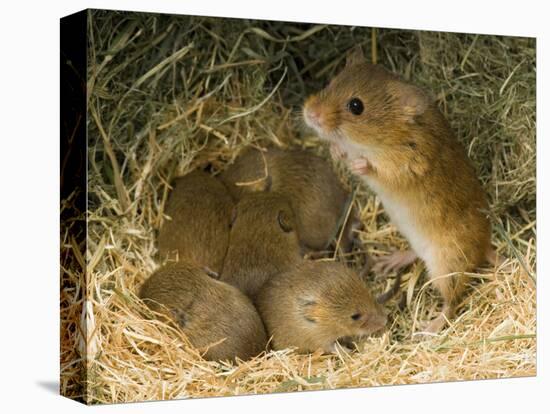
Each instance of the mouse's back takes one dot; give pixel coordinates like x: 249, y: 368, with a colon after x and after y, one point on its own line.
x: 248, y: 173
x: 263, y: 241
x: 199, y: 210
x: 315, y: 192
x: 214, y: 316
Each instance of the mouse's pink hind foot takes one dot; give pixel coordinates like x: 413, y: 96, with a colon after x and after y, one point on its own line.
x: 437, y: 324
x: 493, y: 258
x: 393, y: 262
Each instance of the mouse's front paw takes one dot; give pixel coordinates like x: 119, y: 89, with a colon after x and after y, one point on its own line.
x: 360, y: 166
x: 335, y: 348
x: 336, y: 152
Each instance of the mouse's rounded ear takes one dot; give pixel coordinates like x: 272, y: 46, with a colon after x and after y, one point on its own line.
x: 211, y: 273
x: 285, y: 221
x: 354, y: 56
x: 412, y: 100
x: 308, y: 307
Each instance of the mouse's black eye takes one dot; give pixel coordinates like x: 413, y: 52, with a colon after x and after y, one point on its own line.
x: 356, y: 316
x: 355, y: 106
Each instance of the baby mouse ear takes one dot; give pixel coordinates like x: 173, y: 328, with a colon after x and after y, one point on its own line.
x: 354, y: 56
x: 211, y: 273
x: 412, y: 100
x: 285, y: 221
x: 307, y: 307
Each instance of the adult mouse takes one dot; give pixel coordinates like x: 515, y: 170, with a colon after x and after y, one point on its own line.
x: 393, y: 136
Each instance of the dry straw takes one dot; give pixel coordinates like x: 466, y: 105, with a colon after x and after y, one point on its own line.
x: 170, y: 94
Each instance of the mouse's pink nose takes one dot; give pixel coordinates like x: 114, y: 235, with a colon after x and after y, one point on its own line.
x: 313, y: 116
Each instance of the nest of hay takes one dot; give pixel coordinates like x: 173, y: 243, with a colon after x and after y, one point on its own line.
x: 168, y: 94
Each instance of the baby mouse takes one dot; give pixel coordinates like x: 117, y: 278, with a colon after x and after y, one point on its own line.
x: 263, y: 241
x: 315, y: 304
x: 315, y: 192
x: 214, y: 316
x: 200, y: 210
x: 393, y: 136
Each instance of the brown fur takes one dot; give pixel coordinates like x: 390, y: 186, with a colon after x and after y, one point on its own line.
x: 248, y: 173
x: 311, y: 306
x: 200, y: 211
x: 415, y: 164
x: 263, y: 242
x: 308, y: 181
x: 208, y: 311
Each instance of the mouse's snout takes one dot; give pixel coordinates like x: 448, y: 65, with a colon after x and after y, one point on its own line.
x: 375, y: 321
x: 313, y: 113
x: 380, y: 320
x: 321, y: 115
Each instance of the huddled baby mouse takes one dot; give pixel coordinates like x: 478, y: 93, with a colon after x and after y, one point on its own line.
x: 392, y: 135
x: 315, y: 304
x: 263, y: 241
x: 199, y: 208
x: 216, y: 317
x: 315, y: 192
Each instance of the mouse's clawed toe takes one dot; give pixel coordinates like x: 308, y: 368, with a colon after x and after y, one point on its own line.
x: 336, y: 348
x: 393, y: 262
x: 360, y: 166
x: 436, y: 325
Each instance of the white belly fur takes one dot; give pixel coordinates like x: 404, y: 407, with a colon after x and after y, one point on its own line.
x: 397, y: 210
x: 352, y: 149
x: 400, y: 215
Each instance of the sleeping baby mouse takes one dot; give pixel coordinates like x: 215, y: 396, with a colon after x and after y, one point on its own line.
x: 318, y: 198
x: 315, y: 304
x: 263, y: 241
x: 218, y: 319
x: 199, y: 215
